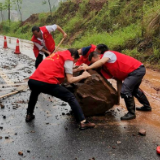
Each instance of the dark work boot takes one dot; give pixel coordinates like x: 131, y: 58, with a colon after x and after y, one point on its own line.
x: 143, y: 100
x: 29, y: 117
x: 130, y: 104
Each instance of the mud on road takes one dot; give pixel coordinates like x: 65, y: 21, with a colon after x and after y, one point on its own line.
x: 54, y: 134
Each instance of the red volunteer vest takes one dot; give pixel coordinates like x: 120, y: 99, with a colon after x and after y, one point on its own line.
x: 121, y: 67
x: 84, y: 59
x: 48, y: 39
x: 51, y: 69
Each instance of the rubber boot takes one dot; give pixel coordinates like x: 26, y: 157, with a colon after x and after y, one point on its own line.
x: 130, y: 104
x: 143, y: 100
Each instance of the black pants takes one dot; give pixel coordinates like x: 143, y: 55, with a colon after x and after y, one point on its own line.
x: 39, y: 59
x: 55, y: 90
x: 131, y: 84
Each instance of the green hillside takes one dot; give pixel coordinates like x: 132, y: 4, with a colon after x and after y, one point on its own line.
x: 128, y: 26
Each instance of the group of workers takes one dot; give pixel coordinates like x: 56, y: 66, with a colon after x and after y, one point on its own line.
x: 52, y: 71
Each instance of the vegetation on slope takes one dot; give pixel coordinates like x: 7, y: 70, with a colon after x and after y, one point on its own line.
x: 129, y: 26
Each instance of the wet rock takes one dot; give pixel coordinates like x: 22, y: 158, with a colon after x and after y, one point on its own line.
x: 95, y: 94
x: 142, y: 132
x: 6, y: 137
x: 2, y: 106
x: 63, y: 104
x: 20, y: 153
x: 4, y: 117
x: 68, y: 114
x: 15, y: 106
x: 66, y: 129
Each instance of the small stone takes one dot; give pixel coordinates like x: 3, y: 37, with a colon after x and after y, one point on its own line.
x: 68, y: 114
x: 113, y: 147
x: 4, y: 117
x: 6, y: 137
x: 32, y: 131
x: 1, y: 127
x: 118, y: 142
x: 142, y: 132
x: 28, y: 151
x: 0, y: 137
x: 2, y: 106
x: 15, y: 107
x: 63, y: 114
x: 20, y: 153
x: 63, y: 104
x: 66, y: 128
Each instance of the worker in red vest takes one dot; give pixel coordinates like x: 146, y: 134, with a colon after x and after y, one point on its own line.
x: 84, y: 53
x: 43, y: 41
x: 125, y: 68
x: 47, y: 79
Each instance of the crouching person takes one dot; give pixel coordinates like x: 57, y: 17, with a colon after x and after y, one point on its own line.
x: 47, y: 79
x: 124, y: 68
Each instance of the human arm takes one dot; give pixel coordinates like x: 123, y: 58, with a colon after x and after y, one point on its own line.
x: 62, y: 31
x: 41, y: 48
x: 97, y: 64
x: 44, y: 50
x: 76, y: 69
x: 72, y: 79
x: 53, y: 27
x: 68, y: 66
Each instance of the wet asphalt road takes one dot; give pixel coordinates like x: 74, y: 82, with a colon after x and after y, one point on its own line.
x: 54, y: 135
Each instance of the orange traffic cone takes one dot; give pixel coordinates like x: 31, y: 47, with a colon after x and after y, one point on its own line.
x: 5, y: 42
x: 17, y: 51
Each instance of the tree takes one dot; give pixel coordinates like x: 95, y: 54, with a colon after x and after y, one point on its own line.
x: 44, y: 2
x: 18, y: 4
x: 1, y: 9
x: 7, y: 6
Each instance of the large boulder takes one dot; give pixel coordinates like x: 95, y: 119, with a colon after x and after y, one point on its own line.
x: 95, y: 94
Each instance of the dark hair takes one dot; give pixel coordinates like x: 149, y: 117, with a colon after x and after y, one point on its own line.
x: 74, y: 53
x: 102, y: 48
x: 35, y: 28
x: 92, y: 54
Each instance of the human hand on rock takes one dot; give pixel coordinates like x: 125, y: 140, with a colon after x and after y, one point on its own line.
x: 80, y: 68
x: 85, y: 74
x: 84, y: 66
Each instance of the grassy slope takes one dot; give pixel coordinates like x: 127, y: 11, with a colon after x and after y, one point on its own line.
x: 124, y: 25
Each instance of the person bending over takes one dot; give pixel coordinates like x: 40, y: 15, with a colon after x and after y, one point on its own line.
x: 47, y: 79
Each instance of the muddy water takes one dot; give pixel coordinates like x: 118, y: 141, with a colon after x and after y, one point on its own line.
x: 151, y: 86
